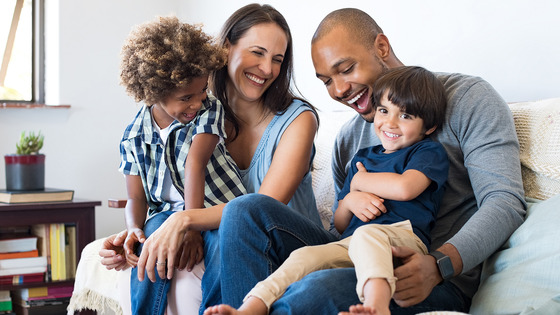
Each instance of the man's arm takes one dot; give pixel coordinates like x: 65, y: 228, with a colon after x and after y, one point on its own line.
x: 484, y: 188
x: 490, y: 155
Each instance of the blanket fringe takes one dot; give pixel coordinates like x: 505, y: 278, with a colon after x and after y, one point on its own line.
x: 88, y: 299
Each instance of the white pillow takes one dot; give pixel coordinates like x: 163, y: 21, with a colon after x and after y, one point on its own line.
x: 523, y: 277
x: 538, y: 130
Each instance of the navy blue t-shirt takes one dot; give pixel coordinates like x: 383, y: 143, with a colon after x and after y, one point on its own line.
x: 426, y: 156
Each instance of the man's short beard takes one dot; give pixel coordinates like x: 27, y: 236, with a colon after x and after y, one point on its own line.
x: 368, y: 117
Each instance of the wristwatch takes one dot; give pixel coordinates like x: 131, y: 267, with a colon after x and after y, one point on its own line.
x: 444, y: 265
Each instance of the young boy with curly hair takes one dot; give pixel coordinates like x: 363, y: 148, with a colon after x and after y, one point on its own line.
x: 406, y: 173
x: 173, y: 152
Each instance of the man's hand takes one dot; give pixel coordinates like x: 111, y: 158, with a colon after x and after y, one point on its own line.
x: 417, y: 276
x: 192, y: 252
x: 113, y: 253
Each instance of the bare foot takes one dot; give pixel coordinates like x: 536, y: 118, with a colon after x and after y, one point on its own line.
x: 360, y: 309
x: 252, y: 306
x: 221, y: 309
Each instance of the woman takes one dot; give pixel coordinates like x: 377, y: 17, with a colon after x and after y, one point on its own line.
x: 270, y: 137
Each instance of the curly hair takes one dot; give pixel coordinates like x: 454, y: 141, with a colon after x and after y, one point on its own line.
x: 162, y: 55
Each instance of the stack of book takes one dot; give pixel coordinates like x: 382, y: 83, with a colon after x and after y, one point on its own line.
x: 20, y: 261
x: 42, y: 300
x: 39, y: 253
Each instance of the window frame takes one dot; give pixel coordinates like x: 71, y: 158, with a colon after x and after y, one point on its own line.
x: 37, y: 63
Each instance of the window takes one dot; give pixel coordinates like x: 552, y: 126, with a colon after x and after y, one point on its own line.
x: 21, y: 50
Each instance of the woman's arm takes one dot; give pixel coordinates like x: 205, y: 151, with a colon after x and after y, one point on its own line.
x: 291, y: 159
x: 289, y: 165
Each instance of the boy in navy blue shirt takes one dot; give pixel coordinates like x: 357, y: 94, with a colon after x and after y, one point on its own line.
x: 390, y: 197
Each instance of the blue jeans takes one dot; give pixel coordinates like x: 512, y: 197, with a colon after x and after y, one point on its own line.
x: 332, y: 290
x: 149, y: 297
x: 257, y: 233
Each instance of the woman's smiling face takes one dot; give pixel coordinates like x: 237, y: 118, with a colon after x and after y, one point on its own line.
x: 254, y: 61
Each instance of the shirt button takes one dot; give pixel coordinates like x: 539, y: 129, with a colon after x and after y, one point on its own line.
x: 161, y: 173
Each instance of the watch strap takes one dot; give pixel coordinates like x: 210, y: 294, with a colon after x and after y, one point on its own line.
x: 437, y: 255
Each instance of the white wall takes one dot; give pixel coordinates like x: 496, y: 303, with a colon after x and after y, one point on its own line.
x: 512, y: 44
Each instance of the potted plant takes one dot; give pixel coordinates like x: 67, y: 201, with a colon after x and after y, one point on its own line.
x: 25, y: 170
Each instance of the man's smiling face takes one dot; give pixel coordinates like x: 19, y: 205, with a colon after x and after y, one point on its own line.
x: 348, y: 69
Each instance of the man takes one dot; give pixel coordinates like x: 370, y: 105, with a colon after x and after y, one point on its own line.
x: 483, y: 203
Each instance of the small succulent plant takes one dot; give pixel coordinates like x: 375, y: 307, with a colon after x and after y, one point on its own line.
x: 30, y: 144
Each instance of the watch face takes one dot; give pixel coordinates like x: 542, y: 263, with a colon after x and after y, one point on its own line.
x: 445, y: 267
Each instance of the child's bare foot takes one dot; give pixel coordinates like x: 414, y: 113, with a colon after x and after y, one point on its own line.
x: 221, y: 309
x: 252, y: 306
x: 360, y: 309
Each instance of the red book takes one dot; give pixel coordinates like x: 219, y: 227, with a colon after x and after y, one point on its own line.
x: 31, y: 253
x: 21, y: 279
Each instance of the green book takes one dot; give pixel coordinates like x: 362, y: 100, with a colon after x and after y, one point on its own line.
x: 5, y: 306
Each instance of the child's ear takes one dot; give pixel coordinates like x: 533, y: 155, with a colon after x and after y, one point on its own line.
x: 430, y: 131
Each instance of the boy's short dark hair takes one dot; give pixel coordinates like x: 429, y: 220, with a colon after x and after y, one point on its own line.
x: 416, y: 91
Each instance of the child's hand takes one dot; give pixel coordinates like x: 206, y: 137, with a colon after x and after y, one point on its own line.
x: 361, y: 170
x: 134, y: 237
x: 364, y: 206
x: 192, y: 251
x: 112, y: 252
x: 361, y: 167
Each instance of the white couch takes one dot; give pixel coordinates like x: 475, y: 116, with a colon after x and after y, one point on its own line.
x: 522, y: 277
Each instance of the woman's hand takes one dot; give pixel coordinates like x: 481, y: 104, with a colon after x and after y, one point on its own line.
x: 113, y: 253
x: 161, y: 248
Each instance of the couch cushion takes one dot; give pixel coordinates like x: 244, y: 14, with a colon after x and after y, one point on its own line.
x: 524, y: 275
x: 538, y: 129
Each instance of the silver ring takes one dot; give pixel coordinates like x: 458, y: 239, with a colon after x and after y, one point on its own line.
x: 161, y: 263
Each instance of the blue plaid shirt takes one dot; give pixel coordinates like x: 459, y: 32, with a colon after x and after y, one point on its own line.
x: 143, y: 153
